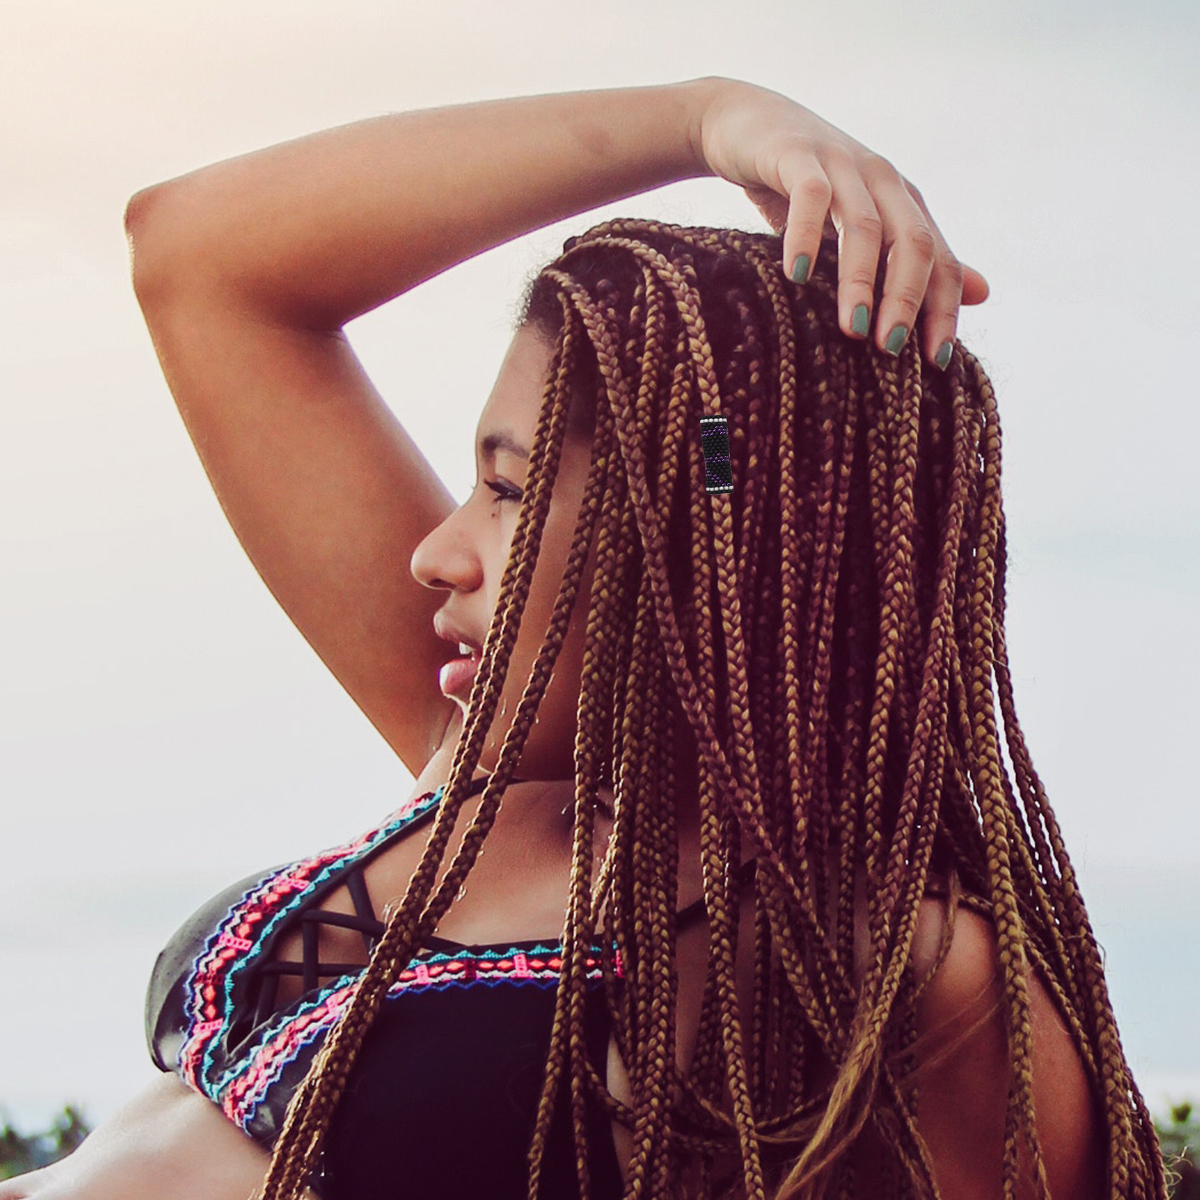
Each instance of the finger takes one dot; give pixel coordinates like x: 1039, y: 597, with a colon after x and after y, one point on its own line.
x: 944, y: 293
x: 860, y: 238
x: 939, y: 315
x: 951, y: 286
x: 975, y: 287
x: 809, y: 193
x: 912, y: 243
x: 943, y: 296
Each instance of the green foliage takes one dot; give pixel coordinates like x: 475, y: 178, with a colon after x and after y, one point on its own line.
x: 27, y: 1152
x: 1179, y: 1137
x: 1180, y: 1141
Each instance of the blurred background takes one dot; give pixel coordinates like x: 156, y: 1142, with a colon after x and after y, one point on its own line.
x: 165, y: 730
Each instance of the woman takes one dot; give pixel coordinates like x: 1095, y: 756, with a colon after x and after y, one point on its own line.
x: 761, y: 895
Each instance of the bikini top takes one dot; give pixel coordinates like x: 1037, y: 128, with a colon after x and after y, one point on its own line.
x: 442, y: 1099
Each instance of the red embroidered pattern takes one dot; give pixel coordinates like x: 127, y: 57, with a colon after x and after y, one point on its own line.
x: 242, y: 1089
x: 237, y: 941
x: 238, y: 937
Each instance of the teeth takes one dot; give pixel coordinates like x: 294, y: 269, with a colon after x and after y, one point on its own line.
x: 469, y: 651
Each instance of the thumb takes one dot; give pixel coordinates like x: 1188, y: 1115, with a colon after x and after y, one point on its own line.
x: 771, y: 204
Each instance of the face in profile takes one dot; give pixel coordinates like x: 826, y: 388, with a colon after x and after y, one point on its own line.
x: 465, y: 556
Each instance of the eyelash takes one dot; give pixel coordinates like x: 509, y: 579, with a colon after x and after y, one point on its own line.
x: 502, y: 495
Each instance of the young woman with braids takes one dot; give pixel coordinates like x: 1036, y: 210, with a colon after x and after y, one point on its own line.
x: 762, y: 911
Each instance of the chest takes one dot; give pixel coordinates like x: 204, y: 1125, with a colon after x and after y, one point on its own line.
x: 514, y: 892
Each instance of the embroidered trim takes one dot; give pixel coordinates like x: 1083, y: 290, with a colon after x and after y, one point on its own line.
x: 237, y: 940
x: 244, y: 1087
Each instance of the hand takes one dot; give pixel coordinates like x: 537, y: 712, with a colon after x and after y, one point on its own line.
x: 169, y: 1143
x: 799, y: 170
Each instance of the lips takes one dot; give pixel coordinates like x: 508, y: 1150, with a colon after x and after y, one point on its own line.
x: 449, y: 632
x: 456, y: 676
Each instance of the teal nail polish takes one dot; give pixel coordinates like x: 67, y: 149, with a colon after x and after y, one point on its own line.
x: 896, y: 339
x: 942, y: 358
x: 860, y: 322
x: 800, y: 269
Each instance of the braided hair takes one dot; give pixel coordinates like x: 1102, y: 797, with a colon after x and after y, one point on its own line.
x: 833, y: 630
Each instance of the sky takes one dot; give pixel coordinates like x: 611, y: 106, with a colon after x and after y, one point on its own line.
x: 165, y: 730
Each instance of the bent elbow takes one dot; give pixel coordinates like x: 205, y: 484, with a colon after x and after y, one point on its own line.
x: 137, y: 211
x: 142, y: 215
x: 157, y: 232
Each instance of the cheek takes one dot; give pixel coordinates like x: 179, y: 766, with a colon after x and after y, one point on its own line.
x: 562, y: 691
x: 547, y: 578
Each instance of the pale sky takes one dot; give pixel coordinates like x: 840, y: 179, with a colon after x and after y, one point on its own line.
x: 164, y: 729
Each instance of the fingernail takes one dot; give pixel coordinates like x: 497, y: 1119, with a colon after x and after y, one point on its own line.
x: 800, y: 268
x: 942, y: 358
x: 860, y: 322
x: 895, y: 342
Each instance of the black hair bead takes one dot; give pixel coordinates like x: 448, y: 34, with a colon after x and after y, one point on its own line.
x: 714, y: 442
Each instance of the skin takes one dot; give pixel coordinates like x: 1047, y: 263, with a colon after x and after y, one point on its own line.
x: 465, y: 556
x: 320, y: 481
x: 247, y: 272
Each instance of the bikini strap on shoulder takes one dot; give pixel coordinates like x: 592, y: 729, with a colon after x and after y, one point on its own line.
x: 696, y: 909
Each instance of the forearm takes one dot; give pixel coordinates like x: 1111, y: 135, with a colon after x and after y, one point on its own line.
x: 168, y: 1143
x: 317, y: 231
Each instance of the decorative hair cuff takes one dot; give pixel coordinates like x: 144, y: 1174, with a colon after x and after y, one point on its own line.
x: 714, y: 442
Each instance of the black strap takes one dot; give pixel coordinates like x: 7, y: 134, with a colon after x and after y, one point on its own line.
x: 364, y: 921
x: 696, y: 909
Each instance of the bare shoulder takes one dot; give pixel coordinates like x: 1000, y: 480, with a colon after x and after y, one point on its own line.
x: 962, y: 1027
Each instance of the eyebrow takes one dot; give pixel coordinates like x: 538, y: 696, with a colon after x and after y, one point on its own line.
x: 502, y: 439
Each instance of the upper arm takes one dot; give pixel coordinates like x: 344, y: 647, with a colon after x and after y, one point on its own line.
x: 962, y: 1099
x: 326, y: 491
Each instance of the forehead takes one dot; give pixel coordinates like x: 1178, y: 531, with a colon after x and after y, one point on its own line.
x: 510, y: 414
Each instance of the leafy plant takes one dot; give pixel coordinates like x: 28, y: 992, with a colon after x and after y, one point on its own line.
x: 1180, y: 1141
x: 27, y: 1152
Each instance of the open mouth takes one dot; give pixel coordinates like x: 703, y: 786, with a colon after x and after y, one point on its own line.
x: 456, y: 676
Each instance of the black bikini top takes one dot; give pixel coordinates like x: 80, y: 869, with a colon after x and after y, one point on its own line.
x: 443, y: 1096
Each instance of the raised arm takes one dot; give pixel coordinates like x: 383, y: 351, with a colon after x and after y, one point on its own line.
x: 247, y: 270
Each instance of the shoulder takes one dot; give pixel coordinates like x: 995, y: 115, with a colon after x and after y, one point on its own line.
x: 963, y: 1064
x: 165, y: 1011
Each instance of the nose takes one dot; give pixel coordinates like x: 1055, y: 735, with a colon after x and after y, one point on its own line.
x: 445, y: 558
